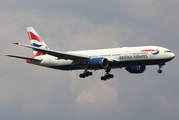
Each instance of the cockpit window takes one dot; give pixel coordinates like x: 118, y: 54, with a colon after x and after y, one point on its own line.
x: 167, y: 51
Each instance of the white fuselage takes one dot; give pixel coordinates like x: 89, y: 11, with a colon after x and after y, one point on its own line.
x: 117, y: 57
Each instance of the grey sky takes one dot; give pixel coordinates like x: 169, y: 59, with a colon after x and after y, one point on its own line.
x: 32, y: 92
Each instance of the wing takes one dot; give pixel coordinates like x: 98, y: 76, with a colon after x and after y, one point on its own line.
x: 60, y: 55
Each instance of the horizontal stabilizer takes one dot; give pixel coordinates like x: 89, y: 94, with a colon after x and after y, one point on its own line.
x: 26, y: 58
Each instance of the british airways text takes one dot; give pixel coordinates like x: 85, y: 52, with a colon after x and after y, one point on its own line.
x: 133, y: 57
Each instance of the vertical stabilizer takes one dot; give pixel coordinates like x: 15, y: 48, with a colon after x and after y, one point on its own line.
x: 36, y: 41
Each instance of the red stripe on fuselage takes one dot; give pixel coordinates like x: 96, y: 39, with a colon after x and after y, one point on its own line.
x: 34, y: 37
x: 149, y: 50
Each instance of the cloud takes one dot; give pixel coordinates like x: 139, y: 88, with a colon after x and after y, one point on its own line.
x: 98, y: 97
x: 170, y: 104
x: 8, y: 96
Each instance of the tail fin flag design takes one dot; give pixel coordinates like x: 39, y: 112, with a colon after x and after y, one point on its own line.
x: 36, y: 41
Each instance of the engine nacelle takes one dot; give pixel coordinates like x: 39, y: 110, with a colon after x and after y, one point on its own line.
x: 98, y: 63
x: 136, y: 69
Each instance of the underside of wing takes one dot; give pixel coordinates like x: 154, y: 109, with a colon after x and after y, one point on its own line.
x: 60, y: 55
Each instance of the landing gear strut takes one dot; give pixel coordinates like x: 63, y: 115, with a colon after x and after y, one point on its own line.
x: 107, y: 75
x: 160, y: 66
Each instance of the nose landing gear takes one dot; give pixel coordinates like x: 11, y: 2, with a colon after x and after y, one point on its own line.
x: 160, y: 66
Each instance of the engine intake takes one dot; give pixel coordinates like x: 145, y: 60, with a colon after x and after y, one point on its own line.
x: 136, y: 69
x: 98, y: 63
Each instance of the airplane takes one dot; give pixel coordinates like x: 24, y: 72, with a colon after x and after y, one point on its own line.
x: 133, y: 59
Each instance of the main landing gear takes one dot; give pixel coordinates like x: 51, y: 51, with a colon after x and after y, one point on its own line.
x: 160, y: 66
x: 107, y: 75
x: 85, y: 74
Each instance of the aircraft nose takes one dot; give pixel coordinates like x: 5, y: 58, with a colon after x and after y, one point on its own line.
x: 172, y: 55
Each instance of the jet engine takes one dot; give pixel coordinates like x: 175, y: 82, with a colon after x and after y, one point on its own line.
x: 98, y: 63
x: 136, y: 69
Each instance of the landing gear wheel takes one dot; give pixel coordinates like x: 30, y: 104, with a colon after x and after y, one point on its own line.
x: 111, y: 76
x: 82, y: 76
x: 90, y: 73
x: 103, y: 78
x: 85, y: 74
x: 159, y: 71
x: 107, y: 77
